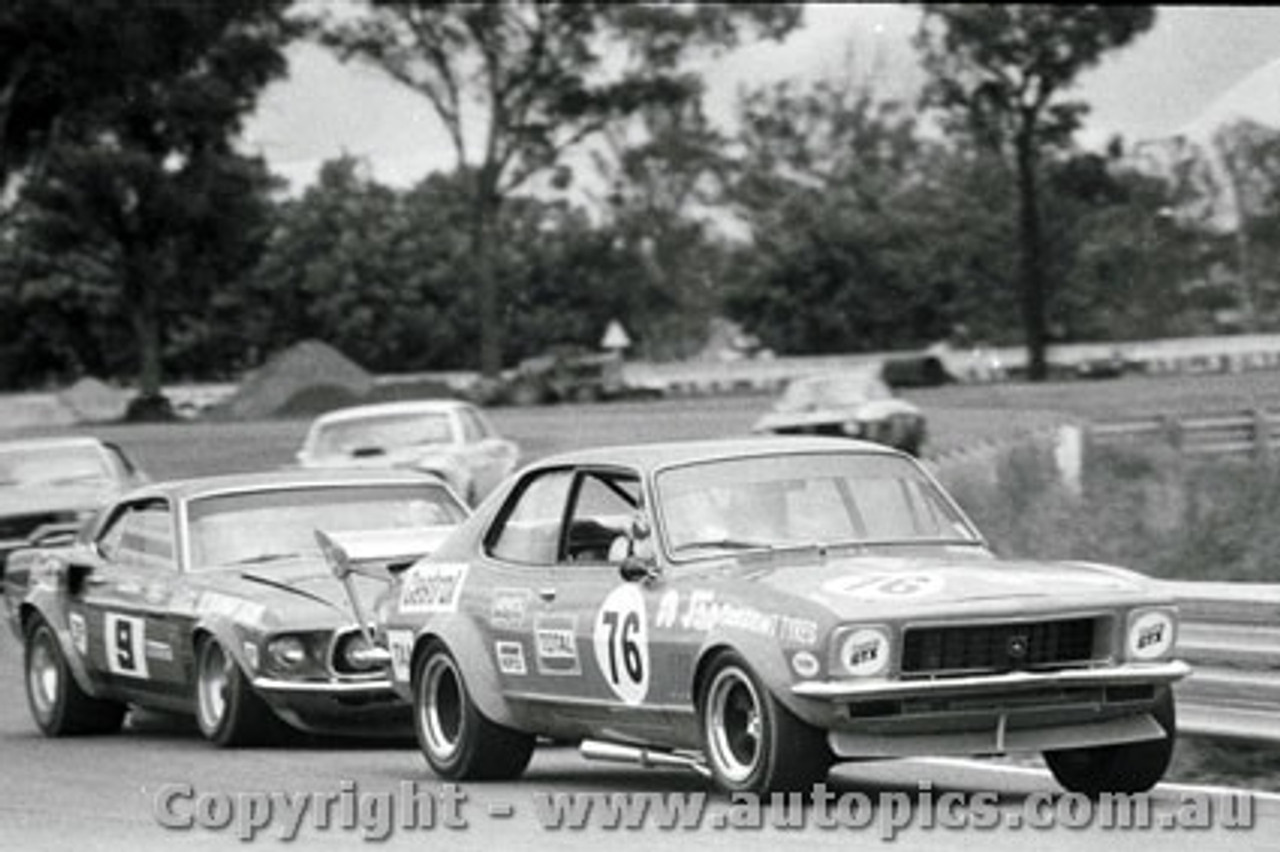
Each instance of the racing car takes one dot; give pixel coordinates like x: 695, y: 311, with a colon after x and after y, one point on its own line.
x: 758, y: 609
x: 211, y: 597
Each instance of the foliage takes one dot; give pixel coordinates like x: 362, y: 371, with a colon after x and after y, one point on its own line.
x: 999, y: 71
x: 537, y: 80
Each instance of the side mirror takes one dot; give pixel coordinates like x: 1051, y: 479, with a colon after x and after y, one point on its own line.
x: 640, y: 569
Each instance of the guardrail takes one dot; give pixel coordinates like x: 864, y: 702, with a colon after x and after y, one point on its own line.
x: 1254, y: 432
x: 1230, y: 634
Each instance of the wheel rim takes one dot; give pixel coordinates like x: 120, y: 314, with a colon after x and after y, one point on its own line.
x: 213, y: 682
x: 734, y: 724
x: 440, y: 712
x: 44, y: 676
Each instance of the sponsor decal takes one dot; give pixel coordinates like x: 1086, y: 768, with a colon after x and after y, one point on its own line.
x: 433, y: 587
x: 1151, y: 635
x: 217, y: 604
x: 159, y: 651
x: 507, y: 611
x: 805, y: 664
x: 703, y: 613
x: 621, y: 640
x: 668, y: 609
x: 865, y: 652
x: 400, y: 644
x: 126, y: 638
x: 882, y: 587
x: 510, y: 658
x: 556, y: 644
x: 79, y: 633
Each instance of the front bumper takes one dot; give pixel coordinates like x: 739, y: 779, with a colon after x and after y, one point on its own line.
x: 994, y: 714
x: 358, y: 708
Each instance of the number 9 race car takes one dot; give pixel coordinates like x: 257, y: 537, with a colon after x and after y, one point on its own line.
x: 760, y: 609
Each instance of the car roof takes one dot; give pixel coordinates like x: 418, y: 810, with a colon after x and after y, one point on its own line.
x: 204, y: 486
x: 414, y: 406
x: 668, y: 453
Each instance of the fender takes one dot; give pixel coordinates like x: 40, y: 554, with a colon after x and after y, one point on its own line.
x: 44, y: 606
x: 463, y: 638
x: 222, y: 628
x: 767, y: 659
x: 45, y: 575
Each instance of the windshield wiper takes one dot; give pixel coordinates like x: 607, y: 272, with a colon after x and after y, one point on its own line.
x: 723, y: 544
x: 266, y: 557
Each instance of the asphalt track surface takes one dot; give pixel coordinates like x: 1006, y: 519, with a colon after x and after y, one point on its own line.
x: 101, y: 792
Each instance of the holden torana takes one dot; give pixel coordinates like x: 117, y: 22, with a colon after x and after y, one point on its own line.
x: 759, y: 609
x: 212, y: 597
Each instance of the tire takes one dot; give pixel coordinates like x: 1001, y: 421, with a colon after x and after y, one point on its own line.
x: 753, y: 743
x: 1127, y: 768
x: 58, y: 705
x: 230, y: 714
x: 457, y: 740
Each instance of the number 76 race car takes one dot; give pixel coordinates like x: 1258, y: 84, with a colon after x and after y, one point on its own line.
x: 759, y: 609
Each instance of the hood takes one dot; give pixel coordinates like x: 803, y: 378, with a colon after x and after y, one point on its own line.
x: 299, y: 593
x: 392, y: 545
x: 886, y: 587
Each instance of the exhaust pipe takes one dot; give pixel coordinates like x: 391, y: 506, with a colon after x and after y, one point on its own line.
x: 646, y: 757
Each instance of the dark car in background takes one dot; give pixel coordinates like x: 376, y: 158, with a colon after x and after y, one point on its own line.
x: 855, y: 403
x: 50, y: 486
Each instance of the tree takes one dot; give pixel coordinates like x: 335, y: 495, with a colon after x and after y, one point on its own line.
x: 532, y: 81
x: 144, y: 186
x: 1000, y: 71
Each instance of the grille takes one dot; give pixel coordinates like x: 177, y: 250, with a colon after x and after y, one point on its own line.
x: 997, y: 647
x: 21, y: 526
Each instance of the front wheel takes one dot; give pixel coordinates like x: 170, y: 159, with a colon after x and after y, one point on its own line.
x: 752, y: 742
x: 1126, y: 768
x: 228, y: 711
x: 456, y: 738
x: 58, y: 704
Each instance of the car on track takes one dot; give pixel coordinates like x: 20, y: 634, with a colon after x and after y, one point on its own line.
x: 449, y: 439
x: 212, y: 597
x: 854, y: 403
x: 50, y: 486
x: 757, y: 609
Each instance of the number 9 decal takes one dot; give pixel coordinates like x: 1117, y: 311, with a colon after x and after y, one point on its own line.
x: 126, y: 645
x: 622, y: 643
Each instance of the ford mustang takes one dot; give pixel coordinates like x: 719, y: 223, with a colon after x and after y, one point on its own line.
x: 212, y: 597
x: 758, y: 609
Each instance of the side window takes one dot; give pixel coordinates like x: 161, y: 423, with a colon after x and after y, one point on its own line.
x: 141, y: 537
x: 472, y: 432
x: 604, y: 504
x: 529, y: 531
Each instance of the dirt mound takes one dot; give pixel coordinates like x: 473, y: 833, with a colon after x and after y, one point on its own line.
x: 91, y: 400
x: 292, y: 379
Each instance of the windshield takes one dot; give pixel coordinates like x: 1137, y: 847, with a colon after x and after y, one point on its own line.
x: 382, y: 433
x: 34, y: 466
x: 238, y: 529
x: 837, y: 391
x: 796, y: 500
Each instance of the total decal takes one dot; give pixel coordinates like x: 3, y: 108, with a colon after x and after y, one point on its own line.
x: 701, y: 611
x: 556, y: 644
x: 432, y: 588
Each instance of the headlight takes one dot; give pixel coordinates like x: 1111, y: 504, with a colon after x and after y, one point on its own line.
x: 862, y: 651
x: 287, y: 652
x: 355, y: 654
x: 852, y: 427
x: 1151, y: 634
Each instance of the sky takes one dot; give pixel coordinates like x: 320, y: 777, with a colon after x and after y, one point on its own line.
x: 1195, y: 64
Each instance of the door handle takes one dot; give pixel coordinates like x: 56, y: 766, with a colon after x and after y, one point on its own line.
x: 547, y: 594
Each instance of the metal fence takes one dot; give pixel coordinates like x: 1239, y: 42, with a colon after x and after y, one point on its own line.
x: 1255, y: 432
x: 1230, y: 634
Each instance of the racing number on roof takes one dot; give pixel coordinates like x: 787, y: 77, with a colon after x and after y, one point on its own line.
x: 621, y: 642
x: 126, y: 645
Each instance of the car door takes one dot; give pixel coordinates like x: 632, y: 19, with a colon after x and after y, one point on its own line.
x: 122, y: 617
x: 612, y: 618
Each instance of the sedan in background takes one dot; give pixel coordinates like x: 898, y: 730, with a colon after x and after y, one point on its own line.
x: 50, y: 486
x: 449, y: 439
x: 212, y: 597
x: 854, y: 404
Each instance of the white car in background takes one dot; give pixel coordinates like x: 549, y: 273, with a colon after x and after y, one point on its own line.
x: 449, y: 439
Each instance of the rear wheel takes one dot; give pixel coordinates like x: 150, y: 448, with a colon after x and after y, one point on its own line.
x: 228, y: 711
x: 1127, y: 768
x: 752, y: 742
x: 58, y: 704
x: 456, y: 738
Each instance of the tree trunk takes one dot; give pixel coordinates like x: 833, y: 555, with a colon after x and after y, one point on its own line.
x: 1034, y: 320
x: 484, y: 225
x: 145, y: 312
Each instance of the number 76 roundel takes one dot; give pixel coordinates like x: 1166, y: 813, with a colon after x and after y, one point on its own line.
x: 622, y: 643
